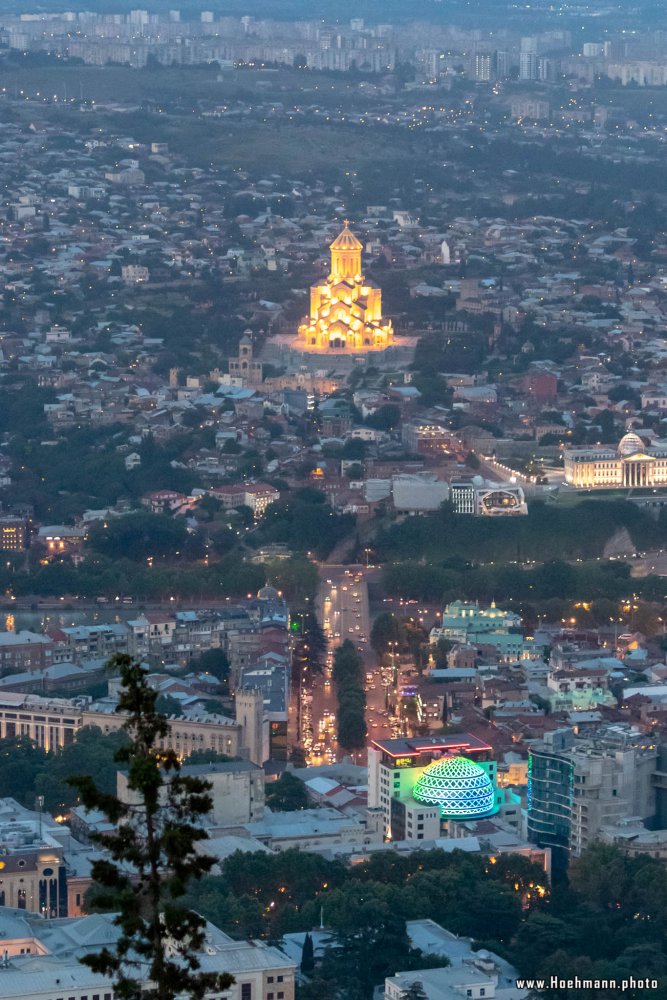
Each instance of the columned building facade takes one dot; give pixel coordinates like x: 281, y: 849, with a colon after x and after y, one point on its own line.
x: 632, y: 465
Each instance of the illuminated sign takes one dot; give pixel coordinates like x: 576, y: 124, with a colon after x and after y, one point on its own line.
x: 403, y: 762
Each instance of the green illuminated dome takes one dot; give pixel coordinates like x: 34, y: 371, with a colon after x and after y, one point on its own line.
x: 461, y: 788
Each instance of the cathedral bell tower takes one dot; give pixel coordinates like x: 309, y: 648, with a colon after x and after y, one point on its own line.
x: 345, y: 257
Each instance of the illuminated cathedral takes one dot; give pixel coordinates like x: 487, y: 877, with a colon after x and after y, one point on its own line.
x: 346, y: 310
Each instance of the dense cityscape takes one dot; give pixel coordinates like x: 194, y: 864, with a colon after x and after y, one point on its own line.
x: 333, y: 502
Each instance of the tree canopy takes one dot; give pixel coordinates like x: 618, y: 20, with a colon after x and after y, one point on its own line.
x: 348, y: 679
x: 287, y: 794
x: 150, y: 858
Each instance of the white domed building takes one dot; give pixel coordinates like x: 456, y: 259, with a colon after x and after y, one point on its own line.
x: 420, y: 783
x: 632, y: 464
x: 461, y: 788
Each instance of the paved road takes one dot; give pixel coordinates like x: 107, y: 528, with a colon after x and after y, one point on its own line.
x: 342, y: 610
x: 649, y: 563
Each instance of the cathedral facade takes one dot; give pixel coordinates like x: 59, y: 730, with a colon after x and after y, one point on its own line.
x: 345, y: 310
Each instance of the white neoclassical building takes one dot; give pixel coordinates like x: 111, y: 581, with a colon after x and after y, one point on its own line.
x: 631, y: 465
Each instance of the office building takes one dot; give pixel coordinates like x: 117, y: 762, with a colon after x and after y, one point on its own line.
x: 13, y: 534
x: 486, y: 499
x: 577, y: 787
x: 421, y: 782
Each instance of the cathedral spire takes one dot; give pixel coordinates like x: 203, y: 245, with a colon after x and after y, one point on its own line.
x: 346, y: 256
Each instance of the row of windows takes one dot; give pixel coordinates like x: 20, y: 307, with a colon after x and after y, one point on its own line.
x: 95, y: 996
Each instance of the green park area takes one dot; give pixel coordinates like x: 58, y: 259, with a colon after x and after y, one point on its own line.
x: 77, y: 82
x: 573, y: 530
x: 165, y: 104
x: 573, y: 498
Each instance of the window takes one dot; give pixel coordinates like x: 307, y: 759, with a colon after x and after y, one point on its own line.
x: 280, y: 979
x: 280, y: 996
x: 269, y: 996
x: 269, y: 979
x: 246, y: 991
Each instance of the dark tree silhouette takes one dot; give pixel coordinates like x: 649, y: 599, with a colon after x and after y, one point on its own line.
x: 153, y: 858
x: 308, y: 955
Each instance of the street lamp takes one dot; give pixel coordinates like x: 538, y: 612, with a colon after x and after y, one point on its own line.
x: 39, y: 801
x: 392, y: 653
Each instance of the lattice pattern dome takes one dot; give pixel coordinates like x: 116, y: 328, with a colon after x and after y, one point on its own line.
x: 630, y: 444
x: 461, y: 788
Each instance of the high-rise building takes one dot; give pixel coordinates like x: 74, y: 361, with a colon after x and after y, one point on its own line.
x: 550, y: 793
x: 12, y: 534
x: 482, y: 67
x: 576, y: 787
x: 503, y: 64
x: 528, y: 65
x: 528, y: 58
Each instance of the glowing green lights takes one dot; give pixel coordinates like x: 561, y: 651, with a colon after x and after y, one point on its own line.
x: 460, y: 787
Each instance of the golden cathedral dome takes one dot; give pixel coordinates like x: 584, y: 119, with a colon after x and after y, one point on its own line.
x: 346, y: 240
